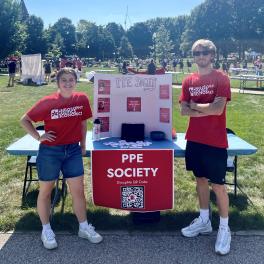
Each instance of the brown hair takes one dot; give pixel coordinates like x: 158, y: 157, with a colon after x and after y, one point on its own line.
x: 206, y: 44
x: 66, y: 71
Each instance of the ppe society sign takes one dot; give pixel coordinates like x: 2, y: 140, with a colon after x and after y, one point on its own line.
x: 135, y: 180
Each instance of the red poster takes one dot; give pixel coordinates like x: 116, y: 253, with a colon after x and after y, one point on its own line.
x: 103, y: 86
x: 135, y: 180
x: 104, y: 123
x: 164, y: 91
x: 103, y: 105
x: 164, y: 115
x: 133, y: 104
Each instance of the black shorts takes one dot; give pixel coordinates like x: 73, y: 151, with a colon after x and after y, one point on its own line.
x: 206, y: 161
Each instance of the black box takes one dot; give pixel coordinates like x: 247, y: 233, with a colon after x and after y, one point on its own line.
x: 133, y: 132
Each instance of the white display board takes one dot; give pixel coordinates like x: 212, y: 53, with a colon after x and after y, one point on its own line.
x: 133, y: 99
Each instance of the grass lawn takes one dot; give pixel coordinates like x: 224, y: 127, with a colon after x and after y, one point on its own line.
x: 245, y: 116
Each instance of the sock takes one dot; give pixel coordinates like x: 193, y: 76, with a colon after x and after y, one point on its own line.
x: 83, y: 224
x: 223, y: 222
x: 46, y: 227
x: 204, y: 214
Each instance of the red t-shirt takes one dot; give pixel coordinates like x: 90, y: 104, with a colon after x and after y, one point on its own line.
x: 62, y: 115
x: 209, y: 130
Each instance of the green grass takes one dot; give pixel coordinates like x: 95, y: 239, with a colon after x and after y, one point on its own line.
x: 245, y: 117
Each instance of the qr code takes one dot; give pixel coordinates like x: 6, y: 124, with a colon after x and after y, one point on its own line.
x: 132, y: 197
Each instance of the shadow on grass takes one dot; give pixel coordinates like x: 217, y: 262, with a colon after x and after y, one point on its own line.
x: 30, y: 200
x: 240, y: 202
x: 169, y: 221
x: 102, y: 219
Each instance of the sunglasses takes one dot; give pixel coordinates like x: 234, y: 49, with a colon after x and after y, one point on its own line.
x: 204, y: 53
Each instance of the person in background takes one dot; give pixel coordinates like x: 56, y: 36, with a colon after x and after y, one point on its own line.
x: 204, y: 97
x: 11, y: 72
x: 124, y: 68
x: 258, y: 69
x: 164, y: 65
x: 174, y: 65
x: 181, y: 65
x: 151, y: 67
x: 47, y: 70
x: 62, y: 145
x: 189, y: 65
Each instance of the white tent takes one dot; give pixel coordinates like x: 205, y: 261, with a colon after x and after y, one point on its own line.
x: 32, y: 68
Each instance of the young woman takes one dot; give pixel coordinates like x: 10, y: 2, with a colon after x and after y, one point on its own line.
x: 64, y: 114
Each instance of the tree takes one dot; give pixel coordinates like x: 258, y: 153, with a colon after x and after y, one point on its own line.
x: 116, y: 31
x: 247, y: 28
x: 125, y: 50
x: 163, y: 44
x: 175, y: 27
x: 35, y: 42
x: 86, y: 35
x: 211, y: 20
x: 105, y: 44
x: 66, y: 30
x: 140, y: 38
x: 9, y: 27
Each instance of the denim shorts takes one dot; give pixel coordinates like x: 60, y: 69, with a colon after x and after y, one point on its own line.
x: 52, y: 160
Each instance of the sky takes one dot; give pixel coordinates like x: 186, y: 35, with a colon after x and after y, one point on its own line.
x: 102, y: 12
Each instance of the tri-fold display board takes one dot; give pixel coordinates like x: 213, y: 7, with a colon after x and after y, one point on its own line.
x: 133, y: 99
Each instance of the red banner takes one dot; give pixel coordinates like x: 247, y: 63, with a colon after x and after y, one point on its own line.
x: 135, y: 180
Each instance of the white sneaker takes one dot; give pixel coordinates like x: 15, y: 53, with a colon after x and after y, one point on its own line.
x: 223, y: 240
x: 48, y: 239
x: 197, y: 227
x: 90, y: 234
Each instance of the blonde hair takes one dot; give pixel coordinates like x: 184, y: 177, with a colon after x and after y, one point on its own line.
x: 66, y: 71
x: 206, y: 44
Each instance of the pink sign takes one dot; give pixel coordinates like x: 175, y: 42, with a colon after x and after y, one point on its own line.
x: 164, y: 115
x: 133, y: 104
x: 164, y: 91
x: 103, y: 105
x: 104, y: 123
x: 103, y: 86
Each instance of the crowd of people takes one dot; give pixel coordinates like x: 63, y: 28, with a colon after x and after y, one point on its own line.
x: 52, y: 66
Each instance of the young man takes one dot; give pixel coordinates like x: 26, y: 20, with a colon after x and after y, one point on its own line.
x: 204, y: 97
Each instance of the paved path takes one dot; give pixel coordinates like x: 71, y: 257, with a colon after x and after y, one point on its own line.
x: 123, y: 247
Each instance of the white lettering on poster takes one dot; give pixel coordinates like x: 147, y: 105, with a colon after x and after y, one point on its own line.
x: 132, y: 172
x: 124, y: 82
x: 127, y: 82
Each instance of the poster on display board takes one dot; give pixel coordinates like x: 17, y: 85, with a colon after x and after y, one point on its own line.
x: 133, y: 180
x: 134, y: 99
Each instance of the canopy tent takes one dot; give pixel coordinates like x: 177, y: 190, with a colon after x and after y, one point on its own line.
x: 32, y: 68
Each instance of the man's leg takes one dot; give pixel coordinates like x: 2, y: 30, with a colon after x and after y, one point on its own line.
x: 12, y: 80
x: 202, y: 224
x: 223, y: 240
x: 9, y: 80
x: 202, y: 189
x: 222, y: 199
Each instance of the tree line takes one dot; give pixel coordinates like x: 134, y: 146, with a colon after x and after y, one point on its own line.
x: 234, y: 25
